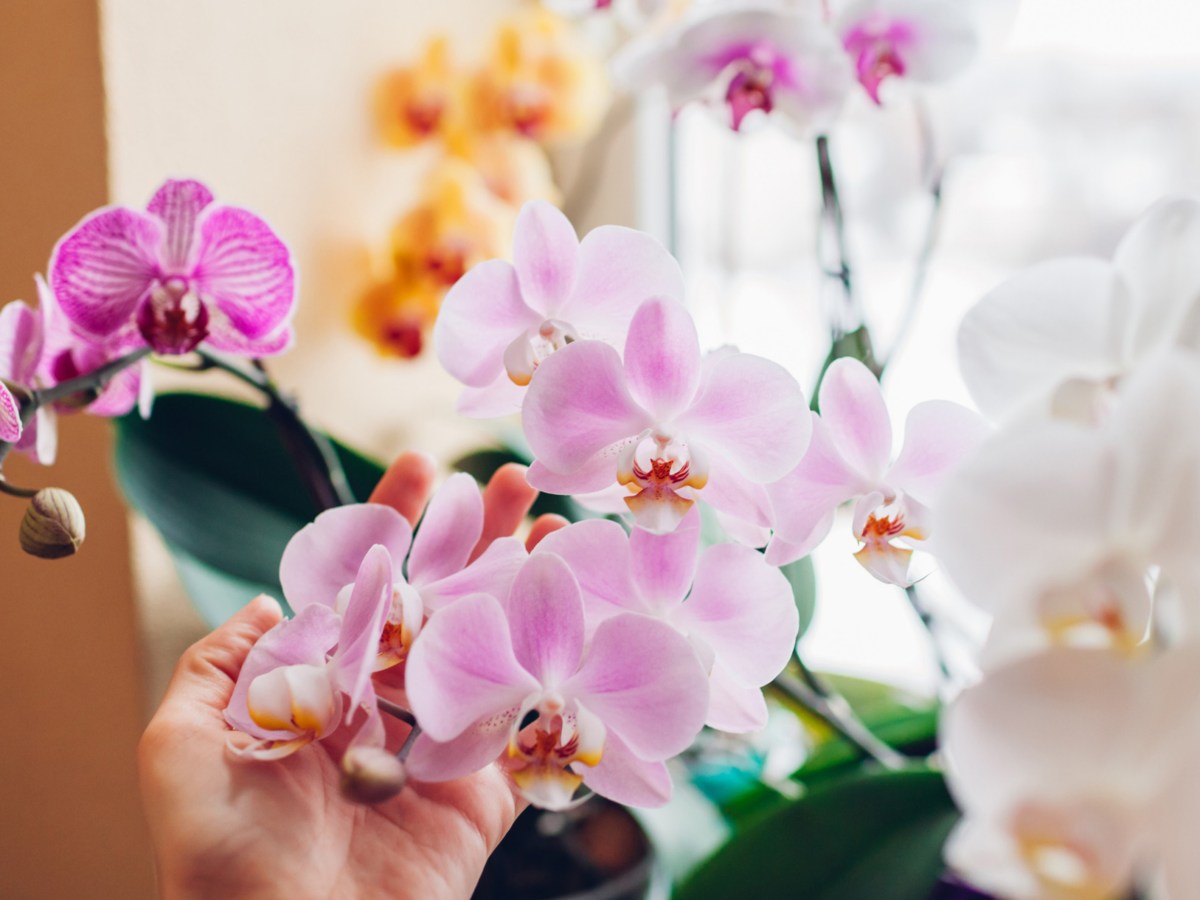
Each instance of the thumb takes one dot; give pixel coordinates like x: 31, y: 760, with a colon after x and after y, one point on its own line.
x: 208, y: 669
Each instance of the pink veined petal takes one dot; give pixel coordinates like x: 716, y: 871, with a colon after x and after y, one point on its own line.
x: 362, y: 625
x: 475, y: 748
x: 597, y: 551
x: 500, y: 398
x: 325, y: 556
x: 492, y: 573
x: 463, y: 669
x: 448, y: 532
x: 733, y: 705
x: 752, y: 412
x: 480, y: 316
x: 224, y: 336
x: 645, y: 683
x: 179, y: 203
x: 938, y: 436
x: 804, y: 500
x: 21, y: 342
x: 577, y: 405
x: 545, y: 256
x: 624, y: 778
x: 619, y: 269
x: 101, y: 269
x: 663, y: 565
x: 662, y: 358
x: 10, y: 417
x: 121, y: 393
x: 304, y: 640
x: 545, y: 616
x: 597, y: 473
x: 854, y: 412
x: 744, y: 610
x: 245, y: 270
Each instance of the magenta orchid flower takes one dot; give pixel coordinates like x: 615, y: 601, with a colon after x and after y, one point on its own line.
x: 737, y: 610
x: 762, y: 58
x: 501, y: 320
x: 184, y: 272
x: 309, y: 676
x: 918, y: 40
x: 22, y: 338
x: 608, y: 710
x: 320, y: 562
x: 850, y: 459
x: 10, y: 417
x: 667, y: 424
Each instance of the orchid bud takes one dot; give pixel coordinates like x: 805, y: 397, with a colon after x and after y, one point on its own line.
x: 371, y: 775
x: 53, y: 526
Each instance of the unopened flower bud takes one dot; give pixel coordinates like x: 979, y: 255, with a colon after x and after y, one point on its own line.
x: 53, y: 526
x: 371, y: 775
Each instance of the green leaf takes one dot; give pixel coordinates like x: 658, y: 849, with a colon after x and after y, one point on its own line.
x: 217, y: 595
x: 803, y: 579
x: 213, y: 476
x: 868, y: 835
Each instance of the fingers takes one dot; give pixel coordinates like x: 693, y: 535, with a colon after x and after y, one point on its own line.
x: 506, y: 500
x: 542, y: 526
x: 407, y: 484
x: 207, y: 670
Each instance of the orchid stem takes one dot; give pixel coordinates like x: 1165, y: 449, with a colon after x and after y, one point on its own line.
x: 406, y: 747
x: 314, y: 455
x: 927, y: 620
x: 396, y: 711
x: 831, y: 707
x: 13, y: 491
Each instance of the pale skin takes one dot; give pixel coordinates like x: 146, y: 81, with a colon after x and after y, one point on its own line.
x: 224, y: 827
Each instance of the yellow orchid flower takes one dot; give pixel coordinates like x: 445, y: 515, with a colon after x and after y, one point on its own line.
x: 414, y: 104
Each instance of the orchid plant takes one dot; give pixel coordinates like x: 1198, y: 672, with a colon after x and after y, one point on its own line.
x: 594, y: 656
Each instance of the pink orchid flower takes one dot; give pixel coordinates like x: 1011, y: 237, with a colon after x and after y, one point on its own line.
x: 918, y: 40
x: 10, y: 417
x: 21, y: 340
x: 308, y: 676
x: 752, y: 58
x: 665, y: 423
x: 501, y: 320
x: 608, y: 710
x: 736, y: 609
x: 184, y: 272
x: 320, y: 562
x: 850, y: 459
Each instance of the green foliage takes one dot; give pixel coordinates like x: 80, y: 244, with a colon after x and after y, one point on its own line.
x: 865, y: 835
x: 213, y: 477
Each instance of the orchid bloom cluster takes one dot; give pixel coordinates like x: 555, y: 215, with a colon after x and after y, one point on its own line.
x: 1074, y: 526
x: 800, y: 60
x: 184, y: 273
x: 490, y: 128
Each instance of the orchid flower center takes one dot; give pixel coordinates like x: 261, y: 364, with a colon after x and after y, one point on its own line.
x: 528, y: 108
x: 298, y: 698
x: 528, y: 351
x: 540, y: 753
x: 756, y: 69
x: 172, y: 318
x: 748, y: 91
x: 876, y: 46
x: 1103, y: 609
x: 655, y: 467
x: 877, y: 525
x: 1061, y: 851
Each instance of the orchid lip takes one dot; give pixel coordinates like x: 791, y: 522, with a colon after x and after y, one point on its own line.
x: 532, y: 348
x: 172, y: 318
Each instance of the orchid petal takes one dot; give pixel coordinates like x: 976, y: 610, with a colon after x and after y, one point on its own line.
x: 545, y: 255
x: 492, y: 573
x: 856, y: 416
x: 266, y: 750
x: 463, y: 668
x: 619, y: 269
x: 101, y: 269
x: 732, y: 494
x: 733, y: 705
x: 597, y: 552
x: 751, y: 411
x: 1060, y: 320
x: 304, y: 640
x: 662, y: 358
x: 362, y: 625
x: 42, y: 434
x: 479, y: 317
x: 245, y: 270
x: 21, y: 342
x: 578, y: 405
x: 545, y: 613
x: 448, y: 531
x: 122, y: 392
x: 179, y: 204
x: 596, y: 474
x: 325, y: 556
x: 938, y: 436
x: 645, y: 683
x: 663, y: 565
x: 224, y: 336
x: 10, y: 417
x: 744, y: 610
x: 624, y: 778
x: 475, y: 748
